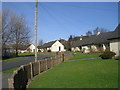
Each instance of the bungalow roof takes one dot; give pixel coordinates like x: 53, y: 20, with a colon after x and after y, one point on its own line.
x: 94, y: 39
x: 115, y: 34
x: 49, y: 44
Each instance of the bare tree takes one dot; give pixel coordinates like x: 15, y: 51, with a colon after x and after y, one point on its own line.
x: 15, y: 31
x: 70, y: 38
x: 5, y: 23
x: 101, y: 30
x: 20, y: 34
x: 40, y: 42
x: 69, y: 42
x: 89, y: 33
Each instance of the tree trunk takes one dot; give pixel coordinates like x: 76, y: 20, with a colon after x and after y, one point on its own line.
x: 16, y: 52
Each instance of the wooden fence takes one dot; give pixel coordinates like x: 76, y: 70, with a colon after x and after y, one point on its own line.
x: 25, y: 73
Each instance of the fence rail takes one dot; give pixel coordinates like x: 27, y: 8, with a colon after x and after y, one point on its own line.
x: 25, y: 73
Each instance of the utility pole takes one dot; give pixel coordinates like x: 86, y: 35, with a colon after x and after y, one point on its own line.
x: 35, y: 27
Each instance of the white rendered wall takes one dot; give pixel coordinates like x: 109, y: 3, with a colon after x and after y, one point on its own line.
x: 115, y: 46
x: 94, y: 48
x: 55, y: 47
x: 74, y: 49
x: 86, y: 49
x: 104, y: 47
x: 77, y: 49
x: 32, y: 48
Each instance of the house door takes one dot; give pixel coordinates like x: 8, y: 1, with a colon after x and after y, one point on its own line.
x: 59, y: 48
x: 33, y: 50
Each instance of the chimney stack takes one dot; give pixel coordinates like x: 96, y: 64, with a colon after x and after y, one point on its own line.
x: 98, y: 33
x: 81, y: 37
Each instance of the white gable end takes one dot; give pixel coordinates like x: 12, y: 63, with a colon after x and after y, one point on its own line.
x: 32, y: 48
x: 57, y: 46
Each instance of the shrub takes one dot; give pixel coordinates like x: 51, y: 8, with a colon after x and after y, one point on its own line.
x: 117, y: 58
x: 107, y: 55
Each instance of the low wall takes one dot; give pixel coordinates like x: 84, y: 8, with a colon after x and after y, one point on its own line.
x: 25, y: 73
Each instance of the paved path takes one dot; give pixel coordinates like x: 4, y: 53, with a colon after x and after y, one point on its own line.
x: 82, y: 59
x: 5, y: 80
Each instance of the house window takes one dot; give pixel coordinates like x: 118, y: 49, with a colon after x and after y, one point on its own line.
x: 80, y: 47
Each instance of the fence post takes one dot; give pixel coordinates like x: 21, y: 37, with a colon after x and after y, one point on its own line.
x: 51, y: 62
x: 62, y: 57
x: 46, y: 63
x: 39, y: 66
x: 31, y: 70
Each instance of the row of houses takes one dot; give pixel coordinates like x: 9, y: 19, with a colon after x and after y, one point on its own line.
x: 100, y: 42
x: 86, y: 44
x: 53, y: 46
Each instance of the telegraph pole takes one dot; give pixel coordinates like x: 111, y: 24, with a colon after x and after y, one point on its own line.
x: 35, y: 27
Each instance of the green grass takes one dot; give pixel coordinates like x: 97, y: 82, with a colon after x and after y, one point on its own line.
x: 79, y: 55
x: 34, y: 55
x: 10, y: 59
x: 21, y: 54
x: 10, y: 71
x: 80, y: 74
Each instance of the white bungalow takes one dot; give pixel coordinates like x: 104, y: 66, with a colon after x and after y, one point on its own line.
x: 94, y: 43
x: 53, y: 46
x: 101, y: 42
x: 31, y: 48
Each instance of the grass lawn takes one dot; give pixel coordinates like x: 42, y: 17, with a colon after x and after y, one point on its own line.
x: 34, y: 55
x: 10, y: 71
x: 10, y: 59
x: 80, y: 74
x: 79, y: 55
x: 24, y: 54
